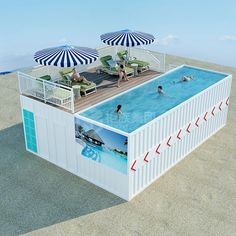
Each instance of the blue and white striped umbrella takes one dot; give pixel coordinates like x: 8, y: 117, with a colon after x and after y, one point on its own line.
x: 66, y: 56
x: 127, y: 38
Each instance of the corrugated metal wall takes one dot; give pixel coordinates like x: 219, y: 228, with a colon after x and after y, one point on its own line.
x: 188, y: 121
x: 152, y: 149
x: 56, y: 143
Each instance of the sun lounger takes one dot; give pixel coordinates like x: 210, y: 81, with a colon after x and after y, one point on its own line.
x: 84, y: 88
x: 38, y: 90
x: 46, y: 77
x: 142, y: 65
x: 60, y: 96
x: 110, y: 66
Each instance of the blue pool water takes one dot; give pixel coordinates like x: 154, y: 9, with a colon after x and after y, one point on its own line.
x: 143, y: 104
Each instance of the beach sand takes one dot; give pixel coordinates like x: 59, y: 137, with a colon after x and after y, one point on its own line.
x: 196, y: 197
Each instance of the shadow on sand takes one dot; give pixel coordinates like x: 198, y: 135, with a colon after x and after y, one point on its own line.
x: 35, y: 193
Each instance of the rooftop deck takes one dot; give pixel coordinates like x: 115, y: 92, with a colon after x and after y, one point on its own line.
x: 57, y: 94
x: 106, y: 88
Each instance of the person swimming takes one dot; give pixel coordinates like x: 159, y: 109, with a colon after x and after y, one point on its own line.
x: 160, y: 90
x: 118, y: 109
x: 185, y: 78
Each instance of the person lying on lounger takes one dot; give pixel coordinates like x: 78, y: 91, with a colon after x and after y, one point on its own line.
x: 79, y: 78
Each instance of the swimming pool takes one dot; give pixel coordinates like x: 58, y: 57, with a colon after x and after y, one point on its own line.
x: 143, y: 104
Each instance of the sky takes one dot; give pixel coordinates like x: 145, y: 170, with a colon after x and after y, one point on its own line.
x: 204, y: 30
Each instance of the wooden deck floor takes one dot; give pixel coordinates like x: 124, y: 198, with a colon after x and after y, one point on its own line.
x: 107, y: 90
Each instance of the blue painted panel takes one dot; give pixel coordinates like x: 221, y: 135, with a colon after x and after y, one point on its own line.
x: 25, y: 113
x: 34, y: 148
x: 29, y: 146
x: 31, y: 116
x: 30, y: 133
x: 31, y: 124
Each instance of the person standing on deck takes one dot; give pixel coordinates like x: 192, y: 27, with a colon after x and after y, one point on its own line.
x: 122, y: 74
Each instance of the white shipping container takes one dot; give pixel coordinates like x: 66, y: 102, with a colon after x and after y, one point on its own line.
x: 152, y: 149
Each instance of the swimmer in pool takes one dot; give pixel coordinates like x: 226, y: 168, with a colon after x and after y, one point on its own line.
x: 185, y: 78
x: 118, y: 110
x: 160, y: 90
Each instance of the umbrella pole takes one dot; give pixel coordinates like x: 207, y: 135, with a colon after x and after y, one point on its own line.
x: 116, y: 52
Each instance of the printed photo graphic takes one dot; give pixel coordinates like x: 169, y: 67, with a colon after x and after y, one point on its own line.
x: 102, y: 145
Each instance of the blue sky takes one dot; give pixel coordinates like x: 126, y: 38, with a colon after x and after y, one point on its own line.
x: 200, y: 29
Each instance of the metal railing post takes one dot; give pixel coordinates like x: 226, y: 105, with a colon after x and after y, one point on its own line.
x: 164, y: 62
x: 19, y: 82
x: 155, y: 58
x: 72, y: 101
x: 44, y: 92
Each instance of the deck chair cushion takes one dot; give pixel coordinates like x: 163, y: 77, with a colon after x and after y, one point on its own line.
x: 112, y: 63
x: 105, y: 59
x: 68, y: 76
x: 140, y: 63
x: 67, y: 70
x: 123, y: 55
x: 84, y: 86
x: 46, y: 77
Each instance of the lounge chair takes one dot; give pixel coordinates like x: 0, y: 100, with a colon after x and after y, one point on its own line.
x: 46, y: 77
x: 84, y: 88
x: 142, y: 65
x: 110, y: 67
x: 60, y: 96
x: 38, y: 90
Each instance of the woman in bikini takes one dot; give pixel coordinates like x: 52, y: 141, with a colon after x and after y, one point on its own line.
x: 122, y: 74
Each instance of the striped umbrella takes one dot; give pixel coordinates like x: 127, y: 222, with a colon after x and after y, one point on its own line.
x: 127, y: 38
x: 66, y: 56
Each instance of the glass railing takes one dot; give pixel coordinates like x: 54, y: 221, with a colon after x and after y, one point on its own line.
x: 46, y: 91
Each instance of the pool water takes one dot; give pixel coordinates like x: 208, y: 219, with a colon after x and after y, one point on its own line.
x: 143, y: 104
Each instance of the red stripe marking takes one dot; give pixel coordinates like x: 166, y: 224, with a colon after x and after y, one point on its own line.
x: 132, y: 167
x: 227, y: 101
x: 188, y: 128
x: 196, y: 123
x: 220, y: 106
x: 205, y: 116
x: 157, y: 150
x: 178, y: 135
x: 168, y: 142
x: 212, y: 112
x: 146, y: 157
